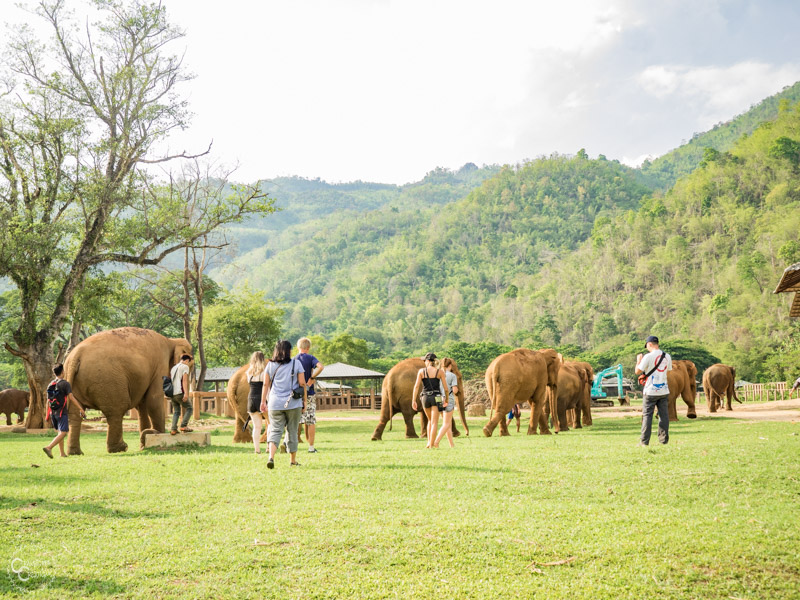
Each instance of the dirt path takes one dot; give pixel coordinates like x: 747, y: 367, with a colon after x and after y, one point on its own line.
x: 779, y: 410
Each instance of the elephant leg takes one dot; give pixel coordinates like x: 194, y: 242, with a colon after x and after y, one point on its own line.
x: 537, y: 413
x: 519, y: 419
x: 711, y: 401
x: 408, y: 418
x: 672, y: 408
x: 504, y: 427
x: 114, y: 441
x: 494, y: 421
x: 239, y: 436
x: 8, y: 418
x: 74, y: 435
x: 691, y: 412
x: 586, y: 409
x: 729, y: 407
x: 562, y: 418
x: 377, y: 435
x: 544, y: 424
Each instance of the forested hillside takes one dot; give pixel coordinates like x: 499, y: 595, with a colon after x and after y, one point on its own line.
x: 698, y: 264
x: 315, y: 215
x: 435, y: 278
x: 662, y: 172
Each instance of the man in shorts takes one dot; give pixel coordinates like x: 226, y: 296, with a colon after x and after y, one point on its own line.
x: 312, y: 368
x: 58, y: 410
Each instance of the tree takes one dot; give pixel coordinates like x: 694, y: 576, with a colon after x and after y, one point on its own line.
x: 342, y: 348
x: 79, y: 119
x: 238, y: 324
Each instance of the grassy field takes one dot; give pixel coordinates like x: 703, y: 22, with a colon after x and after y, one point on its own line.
x: 715, y: 514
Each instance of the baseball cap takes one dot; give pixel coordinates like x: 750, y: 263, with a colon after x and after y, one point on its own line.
x: 650, y: 338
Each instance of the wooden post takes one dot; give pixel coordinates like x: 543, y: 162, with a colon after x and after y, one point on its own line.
x: 372, y: 397
x: 196, y: 405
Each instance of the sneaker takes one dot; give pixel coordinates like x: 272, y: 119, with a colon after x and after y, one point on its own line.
x: 294, y: 464
x: 283, y: 448
x: 173, y: 432
x: 48, y: 452
x: 186, y: 430
x: 312, y: 450
x: 271, y: 463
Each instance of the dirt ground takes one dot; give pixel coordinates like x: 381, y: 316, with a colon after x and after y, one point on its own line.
x: 781, y: 410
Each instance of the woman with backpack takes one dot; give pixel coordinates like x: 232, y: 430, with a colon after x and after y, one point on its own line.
x: 255, y: 377
x: 432, y: 385
x: 284, y: 388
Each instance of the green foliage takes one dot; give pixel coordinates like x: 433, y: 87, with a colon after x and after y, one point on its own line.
x: 787, y: 149
x: 473, y: 359
x: 238, y: 324
x: 342, y: 348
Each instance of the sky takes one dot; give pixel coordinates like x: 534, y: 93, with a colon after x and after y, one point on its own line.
x: 387, y: 90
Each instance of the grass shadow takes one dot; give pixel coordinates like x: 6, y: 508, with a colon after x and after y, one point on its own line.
x: 36, y: 582
x: 88, y: 508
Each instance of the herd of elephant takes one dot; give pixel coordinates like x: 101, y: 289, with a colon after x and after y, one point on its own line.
x: 121, y: 369
x: 550, y: 385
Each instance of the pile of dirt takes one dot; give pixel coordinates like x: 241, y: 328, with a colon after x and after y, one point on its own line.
x: 475, y: 392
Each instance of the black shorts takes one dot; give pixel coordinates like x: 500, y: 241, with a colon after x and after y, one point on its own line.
x: 431, y: 401
x: 253, y: 404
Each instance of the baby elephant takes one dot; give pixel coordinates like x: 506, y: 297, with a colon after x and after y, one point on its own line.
x: 13, y: 401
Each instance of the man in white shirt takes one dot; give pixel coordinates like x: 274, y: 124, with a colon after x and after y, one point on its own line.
x: 654, y: 365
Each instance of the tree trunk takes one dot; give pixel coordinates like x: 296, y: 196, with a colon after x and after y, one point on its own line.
x: 197, y: 281
x: 38, y: 361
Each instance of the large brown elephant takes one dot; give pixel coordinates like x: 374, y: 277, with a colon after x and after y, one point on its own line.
x: 571, y: 394
x: 13, y: 401
x: 520, y: 376
x: 238, y: 390
x: 396, y: 391
x: 117, y: 370
x: 718, y: 382
x: 682, y: 381
x: 583, y: 413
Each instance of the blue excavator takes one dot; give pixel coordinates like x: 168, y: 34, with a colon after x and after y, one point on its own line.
x: 597, y: 389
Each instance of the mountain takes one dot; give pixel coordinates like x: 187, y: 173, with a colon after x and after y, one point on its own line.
x: 400, y: 279
x: 662, y: 172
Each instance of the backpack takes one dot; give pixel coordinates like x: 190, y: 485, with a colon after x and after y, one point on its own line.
x: 166, y: 380
x: 55, y: 397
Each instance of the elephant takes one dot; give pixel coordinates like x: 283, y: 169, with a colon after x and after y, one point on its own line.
x: 571, y: 395
x: 237, y: 392
x: 13, y: 401
x: 682, y: 381
x: 719, y: 381
x: 519, y: 376
x: 396, y: 391
x: 116, y: 370
x: 583, y: 412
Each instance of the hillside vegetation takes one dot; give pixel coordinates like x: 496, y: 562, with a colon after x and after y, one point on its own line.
x: 663, y: 172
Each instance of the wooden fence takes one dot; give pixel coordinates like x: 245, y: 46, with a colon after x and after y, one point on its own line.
x: 207, y: 402
x: 763, y: 392
x: 346, y: 399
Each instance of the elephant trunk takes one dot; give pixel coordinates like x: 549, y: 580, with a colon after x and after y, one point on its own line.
x: 460, y: 401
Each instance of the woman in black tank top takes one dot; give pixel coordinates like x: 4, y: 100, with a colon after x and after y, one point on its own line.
x: 255, y: 377
x: 429, y: 385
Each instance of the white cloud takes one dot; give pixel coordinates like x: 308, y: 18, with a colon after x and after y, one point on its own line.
x: 718, y: 92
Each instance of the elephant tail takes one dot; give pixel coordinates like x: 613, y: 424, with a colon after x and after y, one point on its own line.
x: 735, y: 396
x: 386, y: 399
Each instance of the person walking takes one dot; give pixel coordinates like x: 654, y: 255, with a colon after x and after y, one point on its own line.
x: 255, y: 378
x: 652, y: 369
x: 59, y: 395
x: 311, y: 369
x: 432, y: 384
x: 795, y: 386
x: 284, y: 387
x: 452, y: 383
x: 180, y: 387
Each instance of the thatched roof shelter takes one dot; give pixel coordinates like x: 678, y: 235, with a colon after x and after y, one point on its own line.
x: 790, y: 282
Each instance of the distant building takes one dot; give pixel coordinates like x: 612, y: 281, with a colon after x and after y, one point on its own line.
x: 790, y: 282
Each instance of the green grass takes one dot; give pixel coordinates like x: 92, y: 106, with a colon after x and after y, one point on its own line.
x: 715, y: 514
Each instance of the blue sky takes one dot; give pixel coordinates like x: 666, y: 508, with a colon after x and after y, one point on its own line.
x: 388, y: 90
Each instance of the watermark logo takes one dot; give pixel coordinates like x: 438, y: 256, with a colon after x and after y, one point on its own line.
x: 26, y: 575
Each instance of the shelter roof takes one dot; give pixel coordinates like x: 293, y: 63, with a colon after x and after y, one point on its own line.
x: 220, y: 373
x: 790, y: 282
x: 326, y: 385
x: 342, y: 371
